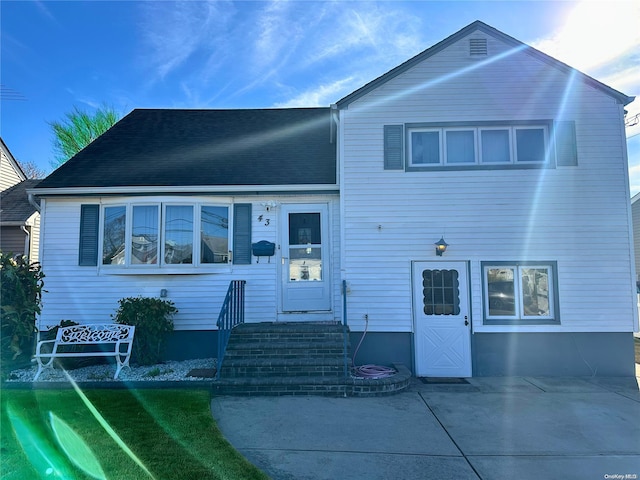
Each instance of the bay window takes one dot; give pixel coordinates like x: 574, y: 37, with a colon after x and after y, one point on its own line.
x: 165, y: 235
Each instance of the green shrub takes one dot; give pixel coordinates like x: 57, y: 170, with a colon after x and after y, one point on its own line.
x: 20, y: 303
x: 153, y: 319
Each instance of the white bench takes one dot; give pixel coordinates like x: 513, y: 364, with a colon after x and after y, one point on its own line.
x: 115, y: 340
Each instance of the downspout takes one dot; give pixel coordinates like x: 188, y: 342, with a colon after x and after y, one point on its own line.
x: 336, y: 121
x: 32, y: 201
x: 27, y: 242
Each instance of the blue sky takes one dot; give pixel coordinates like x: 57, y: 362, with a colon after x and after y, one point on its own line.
x: 160, y: 54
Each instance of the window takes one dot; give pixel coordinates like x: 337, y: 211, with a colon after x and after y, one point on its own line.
x: 520, y: 293
x: 178, y: 234
x: 461, y: 146
x: 214, y: 238
x: 477, y: 145
x: 165, y: 235
x: 113, y: 237
x: 425, y: 147
x: 144, y: 235
x: 440, y: 293
x: 495, y: 145
x: 530, y: 144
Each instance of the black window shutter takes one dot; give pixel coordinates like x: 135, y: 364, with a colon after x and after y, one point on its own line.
x: 566, y: 150
x: 242, y: 234
x: 89, y: 223
x: 393, y: 147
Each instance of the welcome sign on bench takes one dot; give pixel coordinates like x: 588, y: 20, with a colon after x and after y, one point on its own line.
x: 112, y: 340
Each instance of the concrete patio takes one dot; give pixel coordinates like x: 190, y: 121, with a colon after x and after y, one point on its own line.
x: 490, y: 428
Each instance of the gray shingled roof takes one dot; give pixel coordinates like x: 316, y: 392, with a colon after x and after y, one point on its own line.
x: 165, y: 147
x: 14, y: 203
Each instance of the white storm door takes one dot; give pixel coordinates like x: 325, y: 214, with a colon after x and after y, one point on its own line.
x: 305, y: 258
x: 442, y: 325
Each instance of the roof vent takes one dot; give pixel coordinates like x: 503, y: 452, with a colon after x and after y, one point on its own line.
x: 478, y: 47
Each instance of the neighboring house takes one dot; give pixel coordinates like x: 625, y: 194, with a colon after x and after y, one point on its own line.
x: 19, y: 216
x: 19, y: 221
x: 514, y: 159
x: 10, y: 170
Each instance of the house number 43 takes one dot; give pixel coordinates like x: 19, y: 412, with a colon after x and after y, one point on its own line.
x: 267, y: 221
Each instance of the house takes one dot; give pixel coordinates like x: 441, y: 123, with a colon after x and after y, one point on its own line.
x: 10, y: 170
x: 19, y: 216
x: 468, y: 210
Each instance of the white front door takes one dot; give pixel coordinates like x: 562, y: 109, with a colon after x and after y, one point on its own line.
x: 305, y: 258
x: 442, y: 324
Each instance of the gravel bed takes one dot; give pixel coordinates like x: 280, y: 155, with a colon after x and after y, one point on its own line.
x: 167, y: 371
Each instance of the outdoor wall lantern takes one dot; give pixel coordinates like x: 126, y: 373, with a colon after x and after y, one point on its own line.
x: 441, y: 246
x: 270, y: 205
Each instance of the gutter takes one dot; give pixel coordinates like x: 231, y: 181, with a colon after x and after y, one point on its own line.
x: 180, y: 190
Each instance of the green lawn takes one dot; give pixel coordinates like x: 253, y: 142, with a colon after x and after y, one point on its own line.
x: 168, y: 433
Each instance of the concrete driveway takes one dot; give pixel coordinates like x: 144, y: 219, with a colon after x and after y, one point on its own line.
x: 491, y: 428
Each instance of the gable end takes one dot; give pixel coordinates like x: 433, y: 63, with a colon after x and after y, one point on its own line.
x: 479, y: 27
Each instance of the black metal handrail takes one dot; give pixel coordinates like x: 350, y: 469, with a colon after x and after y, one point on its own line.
x: 231, y: 314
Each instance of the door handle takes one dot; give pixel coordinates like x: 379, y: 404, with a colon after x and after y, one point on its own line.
x: 466, y: 322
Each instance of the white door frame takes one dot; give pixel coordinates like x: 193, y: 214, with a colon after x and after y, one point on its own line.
x: 442, y: 341
x: 312, y: 295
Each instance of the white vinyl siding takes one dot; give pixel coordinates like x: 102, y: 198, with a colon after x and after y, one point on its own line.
x: 576, y: 217
x: 9, y: 175
x: 91, y: 294
x: 13, y: 240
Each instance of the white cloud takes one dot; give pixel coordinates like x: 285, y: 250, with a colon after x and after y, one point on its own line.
x: 275, y: 33
x: 595, y: 33
x: 367, y: 33
x: 626, y: 80
x: 322, y: 95
x: 175, y: 32
x: 601, y: 39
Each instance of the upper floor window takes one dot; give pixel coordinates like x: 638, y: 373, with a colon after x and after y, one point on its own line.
x: 165, y: 234
x: 497, y: 145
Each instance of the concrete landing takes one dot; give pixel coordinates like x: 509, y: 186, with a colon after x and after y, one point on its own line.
x: 491, y: 428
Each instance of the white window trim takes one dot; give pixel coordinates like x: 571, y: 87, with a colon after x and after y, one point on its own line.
x: 161, y: 266
x: 511, y: 145
x: 475, y: 145
x: 545, y: 131
x: 440, y: 147
x: 477, y: 129
x: 195, y: 244
x: 129, y: 236
x: 519, y: 318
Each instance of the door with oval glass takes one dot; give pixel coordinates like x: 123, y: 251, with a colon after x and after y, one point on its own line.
x: 305, y: 258
x: 441, y: 319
